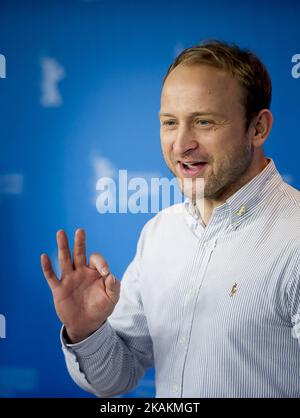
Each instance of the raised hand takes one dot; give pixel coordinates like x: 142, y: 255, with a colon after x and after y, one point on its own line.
x: 86, y: 295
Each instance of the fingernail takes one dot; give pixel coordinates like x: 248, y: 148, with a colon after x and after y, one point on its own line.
x: 104, y: 271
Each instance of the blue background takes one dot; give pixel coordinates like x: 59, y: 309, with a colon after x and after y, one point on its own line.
x: 113, y: 55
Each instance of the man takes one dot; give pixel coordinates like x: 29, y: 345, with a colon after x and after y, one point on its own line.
x: 212, y: 296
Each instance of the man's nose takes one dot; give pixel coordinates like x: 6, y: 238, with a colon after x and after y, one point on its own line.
x: 184, y: 141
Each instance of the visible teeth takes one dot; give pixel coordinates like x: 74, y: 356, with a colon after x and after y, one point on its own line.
x: 192, y: 164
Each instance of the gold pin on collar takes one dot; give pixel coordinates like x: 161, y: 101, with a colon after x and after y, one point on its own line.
x: 233, y: 289
x: 242, y: 210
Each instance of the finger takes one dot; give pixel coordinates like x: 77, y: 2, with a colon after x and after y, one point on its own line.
x: 64, y: 256
x: 112, y: 288
x: 112, y: 285
x: 49, y: 274
x: 79, y: 257
x: 98, y: 262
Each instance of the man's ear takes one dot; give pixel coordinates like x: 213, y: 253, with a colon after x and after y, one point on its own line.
x: 263, y: 123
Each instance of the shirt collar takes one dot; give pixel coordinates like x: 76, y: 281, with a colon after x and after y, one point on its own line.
x: 243, y: 202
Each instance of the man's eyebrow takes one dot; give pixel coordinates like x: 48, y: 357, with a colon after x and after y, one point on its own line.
x: 202, y: 113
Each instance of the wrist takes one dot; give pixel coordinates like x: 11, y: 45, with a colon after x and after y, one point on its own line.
x: 74, y: 337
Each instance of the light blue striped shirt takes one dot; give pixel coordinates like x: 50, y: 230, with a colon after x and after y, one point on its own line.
x: 215, y: 308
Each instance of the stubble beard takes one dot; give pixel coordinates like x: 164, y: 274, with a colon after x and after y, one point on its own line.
x: 225, y: 180
x: 229, y: 175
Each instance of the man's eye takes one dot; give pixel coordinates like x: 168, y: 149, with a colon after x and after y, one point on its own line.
x: 203, y: 122
x: 169, y: 123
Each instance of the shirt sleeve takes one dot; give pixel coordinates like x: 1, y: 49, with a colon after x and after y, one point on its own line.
x: 113, y: 359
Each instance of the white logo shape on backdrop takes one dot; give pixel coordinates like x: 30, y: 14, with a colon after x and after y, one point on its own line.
x: 52, y: 73
x: 2, y: 326
x: 10, y: 185
x: 2, y: 66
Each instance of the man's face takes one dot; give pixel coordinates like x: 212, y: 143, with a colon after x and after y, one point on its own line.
x: 203, y: 123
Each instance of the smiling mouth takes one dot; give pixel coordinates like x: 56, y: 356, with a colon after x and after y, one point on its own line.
x: 191, y: 169
x: 196, y: 163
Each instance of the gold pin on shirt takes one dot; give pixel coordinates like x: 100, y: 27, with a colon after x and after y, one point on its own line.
x: 242, y: 210
x: 233, y: 289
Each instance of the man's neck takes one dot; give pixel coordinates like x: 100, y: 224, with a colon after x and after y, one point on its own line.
x: 207, y: 204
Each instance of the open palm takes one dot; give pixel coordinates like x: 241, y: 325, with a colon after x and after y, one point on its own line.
x: 85, y: 295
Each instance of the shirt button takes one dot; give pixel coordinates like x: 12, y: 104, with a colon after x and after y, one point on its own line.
x: 183, y: 339
x: 175, y: 388
x: 192, y: 292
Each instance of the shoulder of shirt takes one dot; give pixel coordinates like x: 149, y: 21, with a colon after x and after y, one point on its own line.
x: 174, y: 212
x: 292, y: 197
x: 291, y: 200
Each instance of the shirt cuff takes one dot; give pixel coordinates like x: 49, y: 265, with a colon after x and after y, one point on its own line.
x: 90, y: 345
